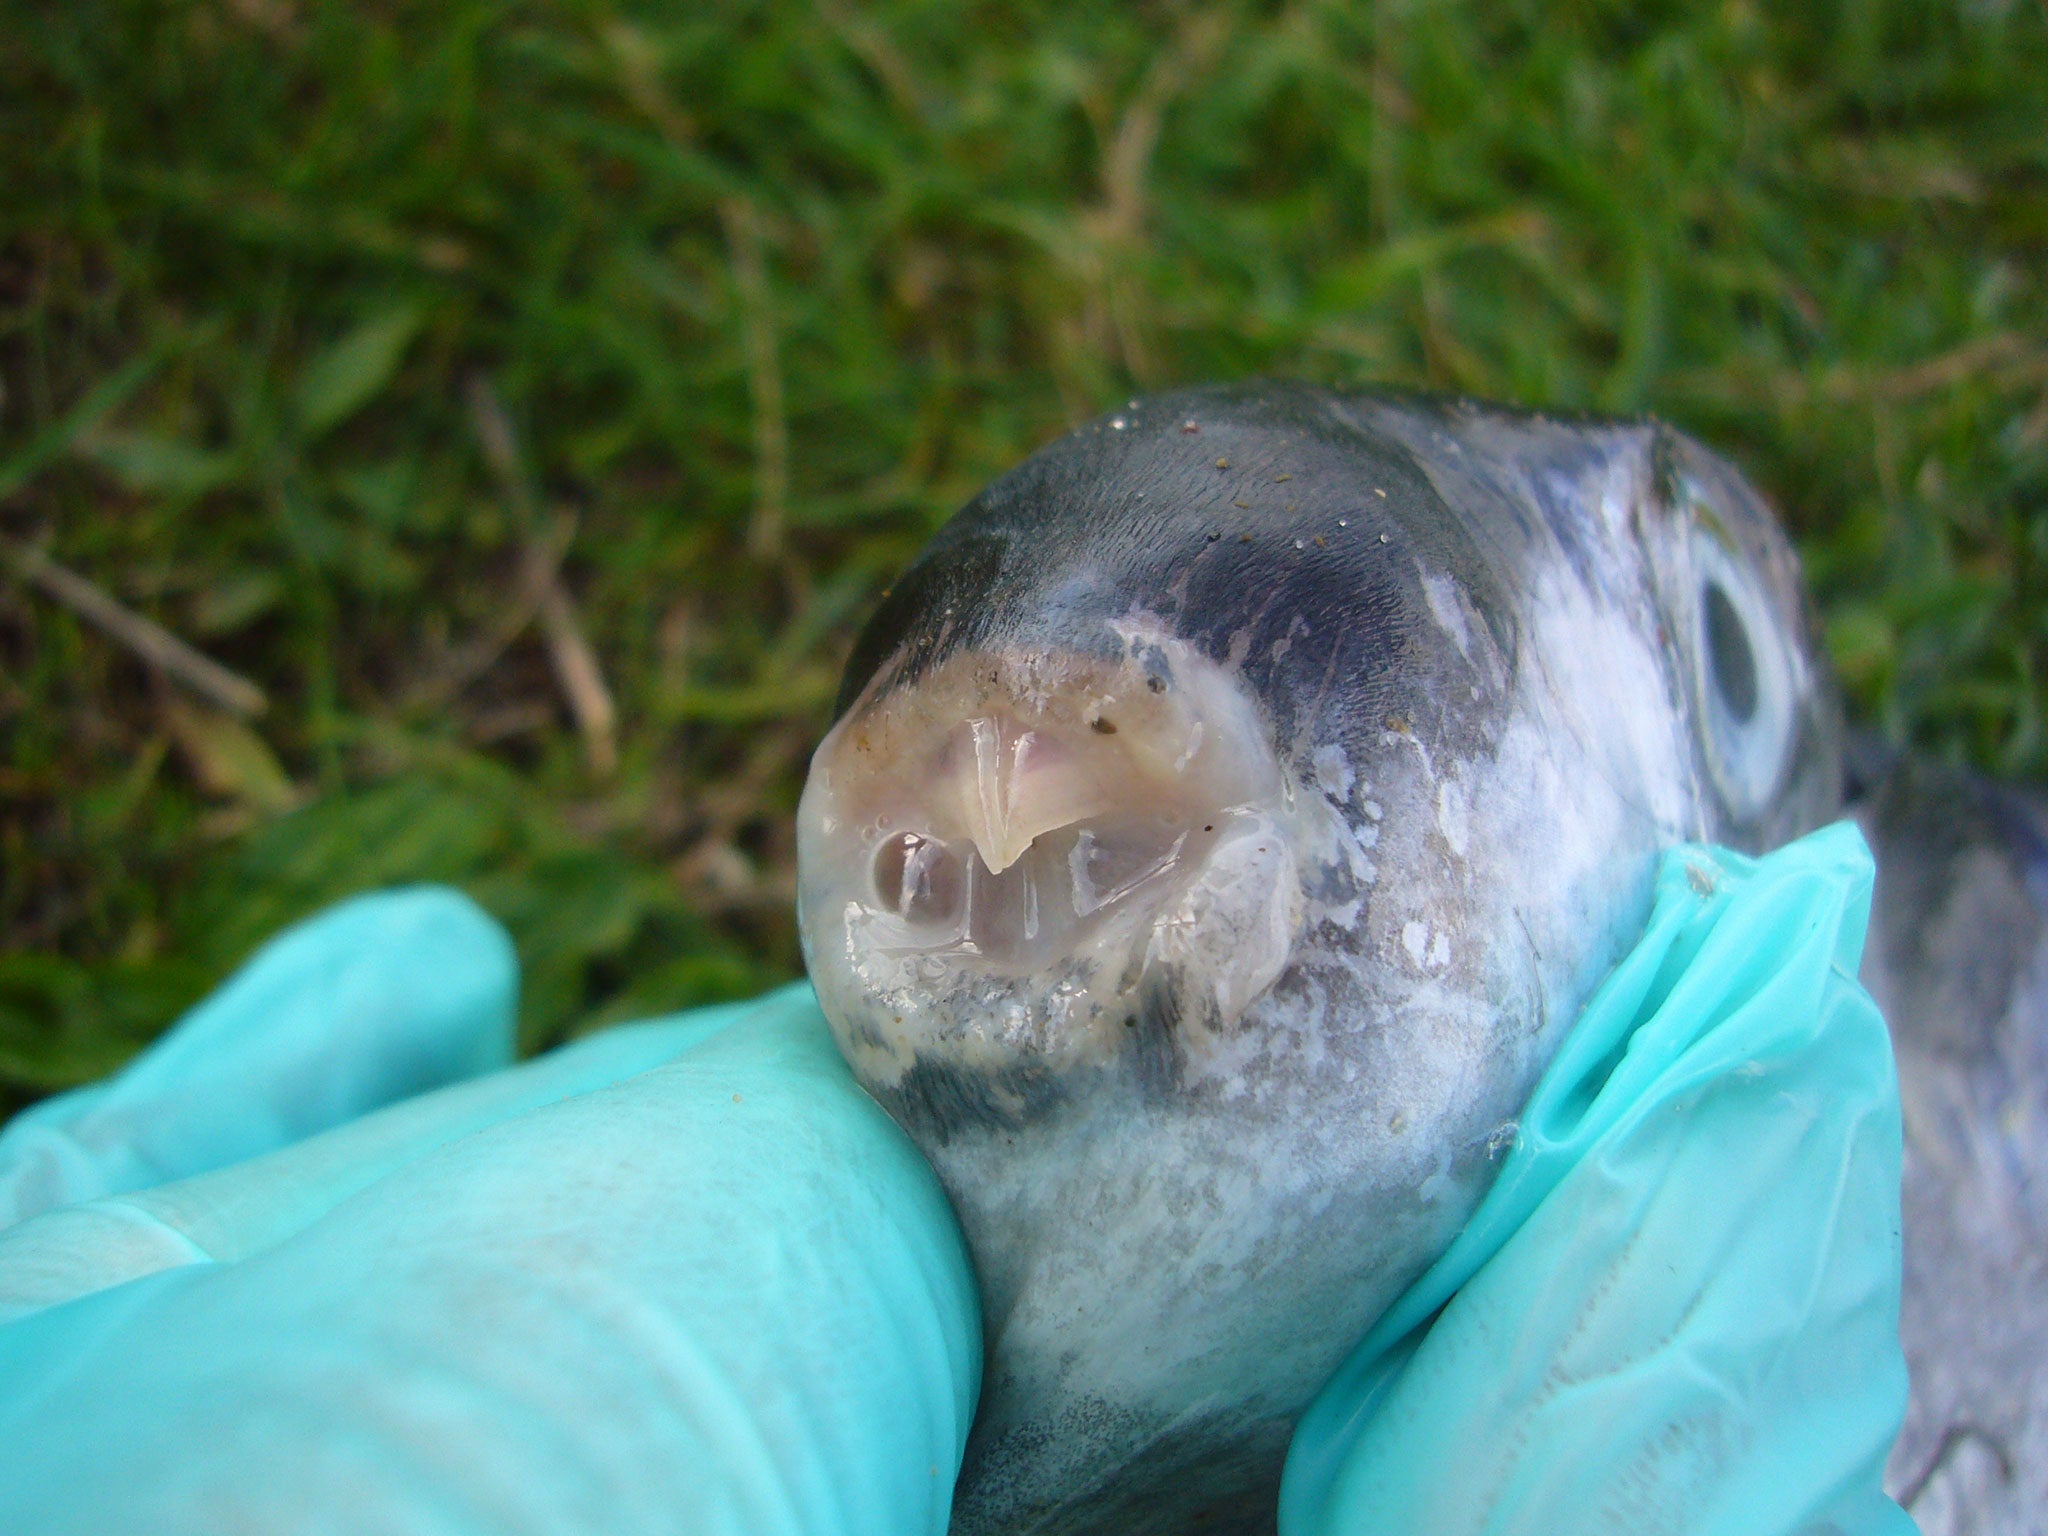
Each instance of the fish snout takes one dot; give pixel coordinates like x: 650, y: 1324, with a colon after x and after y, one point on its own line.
x: 1111, y: 823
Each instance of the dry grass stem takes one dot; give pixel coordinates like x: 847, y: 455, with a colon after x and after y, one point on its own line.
x: 576, y: 669
x: 2003, y: 356
x: 147, y: 639
x: 764, y: 376
x: 570, y: 653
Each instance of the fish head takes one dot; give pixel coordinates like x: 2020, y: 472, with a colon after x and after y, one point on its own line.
x: 1225, y: 815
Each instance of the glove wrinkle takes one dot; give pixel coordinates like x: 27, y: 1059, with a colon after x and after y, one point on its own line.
x: 236, y: 1212
x: 77, y: 1249
x: 371, y: 1002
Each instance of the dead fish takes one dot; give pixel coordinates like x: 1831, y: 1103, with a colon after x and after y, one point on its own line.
x: 1226, y: 816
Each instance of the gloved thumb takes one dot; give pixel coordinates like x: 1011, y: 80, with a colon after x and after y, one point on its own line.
x: 373, y: 1001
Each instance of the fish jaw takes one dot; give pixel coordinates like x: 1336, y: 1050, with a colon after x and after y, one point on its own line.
x: 1023, y: 814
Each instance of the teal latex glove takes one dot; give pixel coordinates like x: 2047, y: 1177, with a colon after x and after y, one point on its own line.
x: 683, y: 1276
x: 598, y: 1293
x: 1677, y: 1309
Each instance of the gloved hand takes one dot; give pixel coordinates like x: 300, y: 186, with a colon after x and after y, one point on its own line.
x: 685, y: 1277
x: 682, y: 1276
x: 1677, y: 1308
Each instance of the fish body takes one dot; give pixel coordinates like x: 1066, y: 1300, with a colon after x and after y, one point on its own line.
x: 1226, y: 816
x: 1958, y: 960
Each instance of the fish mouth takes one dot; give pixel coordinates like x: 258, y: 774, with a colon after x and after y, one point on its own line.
x: 1005, y: 861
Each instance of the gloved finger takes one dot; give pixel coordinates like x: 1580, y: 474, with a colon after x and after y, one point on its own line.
x: 248, y: 1206
x: 374, y: 1000
x: 1677, y: 1308
x: 725, y: 1295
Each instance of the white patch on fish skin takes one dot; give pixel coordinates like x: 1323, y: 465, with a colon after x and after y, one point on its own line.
x: 1415, y: 939
x: 1346, y: 915
x: 1234, y: 926
x: 1295, y: 626
x: 1333, y: 771
x: 1594, y: 742
x: 1452, y: 816
x: 1393, y: 738
x: 1610, y: 687
x: 1373, y: 809
x: 1327, y: 838
x: 1438, y: 1184
x: 1447, y: 606
x: 1440, y: 952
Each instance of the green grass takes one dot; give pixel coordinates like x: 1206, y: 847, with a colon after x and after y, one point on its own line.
x: 766, y: 290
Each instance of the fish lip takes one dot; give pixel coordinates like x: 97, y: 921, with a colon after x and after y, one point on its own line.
x: 1089, y: 809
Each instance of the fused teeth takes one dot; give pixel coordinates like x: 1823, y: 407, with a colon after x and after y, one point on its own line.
x: 1014, y: 784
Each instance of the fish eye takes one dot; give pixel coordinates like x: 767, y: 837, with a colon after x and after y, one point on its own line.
x: 1729, y: 658
x: 1747, y: 681
x: 919, y: 879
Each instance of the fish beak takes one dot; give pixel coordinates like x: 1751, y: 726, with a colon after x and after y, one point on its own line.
x: 1013, y: 784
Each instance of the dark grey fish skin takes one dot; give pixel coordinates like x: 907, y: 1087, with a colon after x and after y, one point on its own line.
x: 1476, y: 668
x: 1958, y: 959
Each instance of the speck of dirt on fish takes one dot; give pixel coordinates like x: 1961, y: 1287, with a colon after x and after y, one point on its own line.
x: 1379, y: 493
x: 1343, y: 522
x: 1116, y: 423
x: 1102, y: 727
x: 1244, y: 538
x: 1223, y: 463
x: 1282, y: 479
x: 1189, y: 426
x: 1212, y: 538
x: 1319, y: 542
x: 1243, y: 506
x: 1156, y: 683
x: 1383, y: 538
